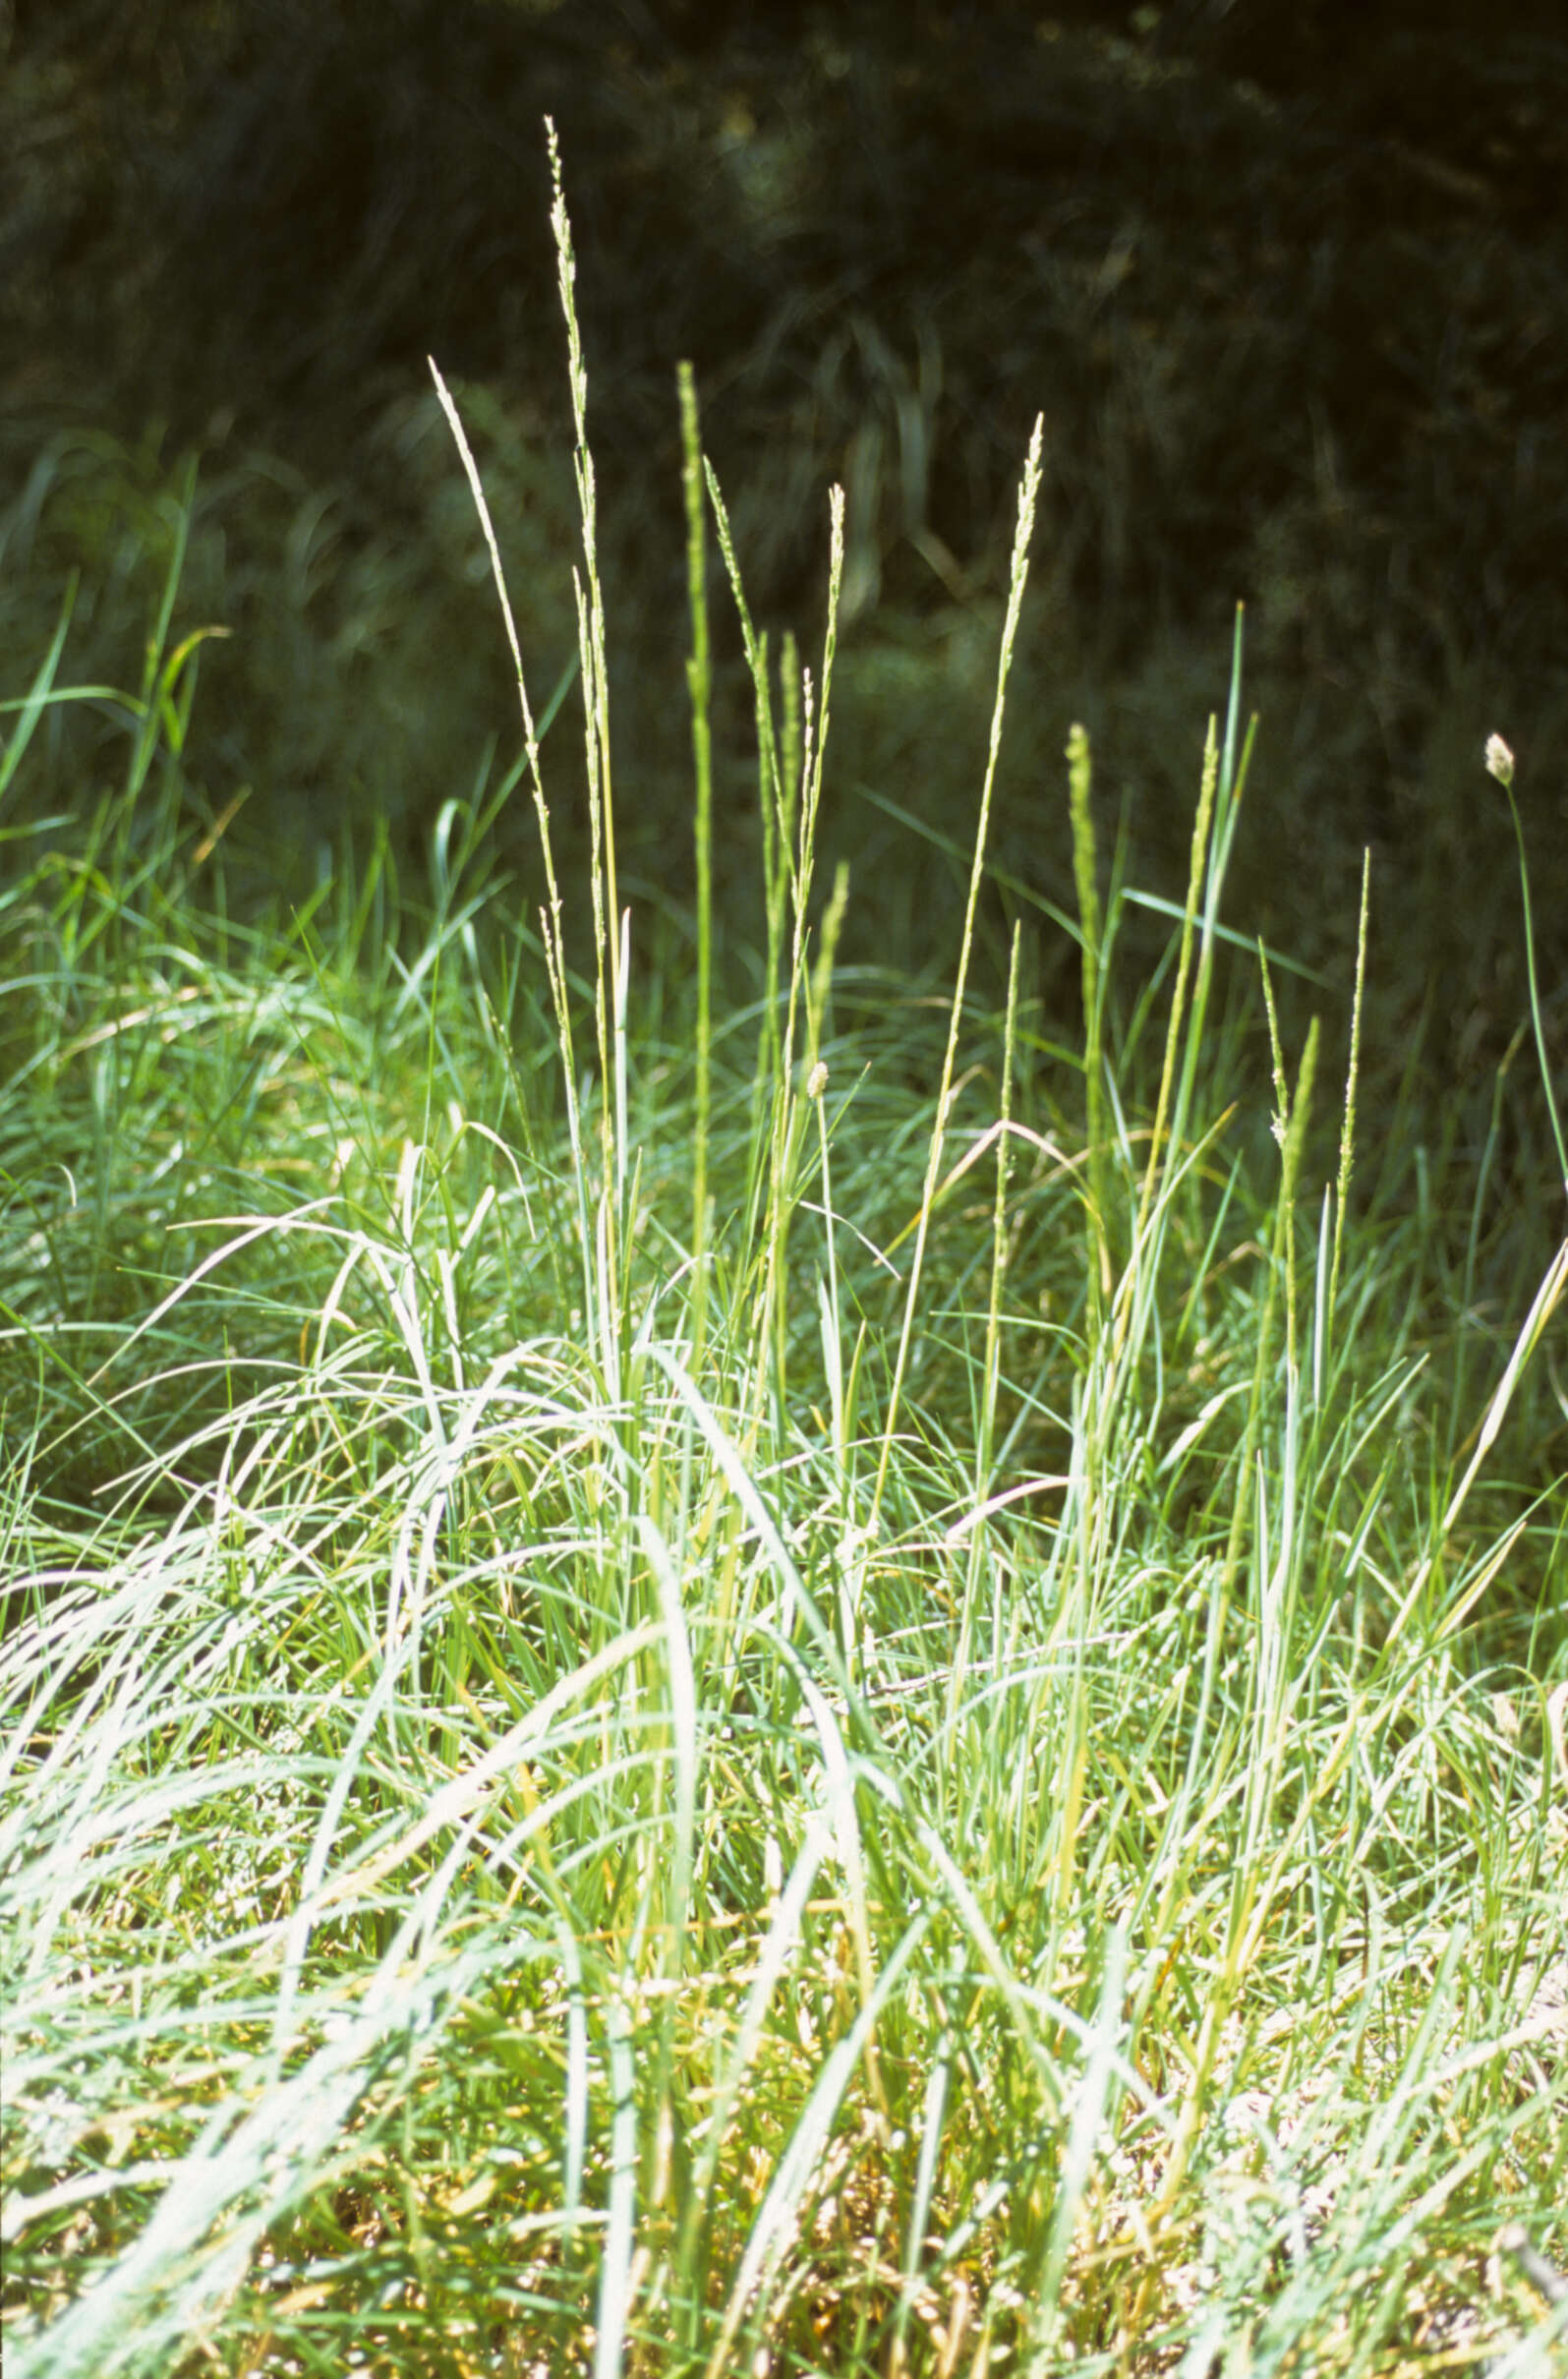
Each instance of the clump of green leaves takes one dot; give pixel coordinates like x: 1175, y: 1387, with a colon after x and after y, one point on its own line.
x: 645, y: 1731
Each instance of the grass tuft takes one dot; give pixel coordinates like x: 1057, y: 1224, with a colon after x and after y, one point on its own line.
x: 646, y: 1730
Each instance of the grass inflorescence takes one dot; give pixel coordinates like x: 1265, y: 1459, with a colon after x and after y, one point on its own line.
x: 808, y: 1686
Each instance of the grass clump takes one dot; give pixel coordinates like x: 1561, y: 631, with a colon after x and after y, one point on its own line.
x: 697, y: 1691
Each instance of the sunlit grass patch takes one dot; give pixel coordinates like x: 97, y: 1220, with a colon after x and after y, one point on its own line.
x: 829, y: 1689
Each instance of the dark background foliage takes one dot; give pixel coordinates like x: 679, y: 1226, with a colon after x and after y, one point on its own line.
x: 1289, y: 282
